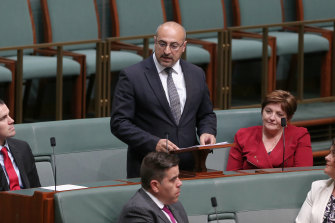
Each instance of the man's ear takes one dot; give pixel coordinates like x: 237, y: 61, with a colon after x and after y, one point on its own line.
x: 184, y: 45
x: 154, y: 184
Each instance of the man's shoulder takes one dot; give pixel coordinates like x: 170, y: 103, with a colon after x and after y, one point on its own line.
x: 188, y: 65
x: 139, y: 198
x: 142, y: 65
x: 15, y: 141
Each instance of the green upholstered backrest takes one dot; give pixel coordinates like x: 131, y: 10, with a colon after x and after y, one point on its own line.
x: 315, y: 9
x: 73, y: 20
x: 26, y: 133
x: 98, y: 205
x: 230, y: 121
x: 72, y: 136
x: 235, y: 195
x: 139, y: 17
x: 42, y: 155
x: 314, y: 111
x: 16, y: 26
x: 250, y: 194
x: 200, y: 15
x: 259, y: 12
x: 86, y: 151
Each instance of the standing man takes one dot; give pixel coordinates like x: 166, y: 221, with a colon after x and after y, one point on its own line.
x: 157, y: 200
x: 162, y: 103
x: 18, y: 170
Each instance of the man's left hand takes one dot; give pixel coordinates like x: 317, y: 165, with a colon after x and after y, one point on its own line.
x: 206, y: 138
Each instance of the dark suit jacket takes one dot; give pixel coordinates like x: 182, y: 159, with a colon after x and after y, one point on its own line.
x: 141, y: 208
x: 24, y: 160
x: 141, y: 113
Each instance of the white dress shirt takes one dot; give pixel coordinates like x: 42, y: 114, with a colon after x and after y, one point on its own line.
x: 178, y: 79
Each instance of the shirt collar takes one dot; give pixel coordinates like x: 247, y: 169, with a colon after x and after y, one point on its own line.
x: 158, y: 202
x: 6, y: 145
x: 176, y: 67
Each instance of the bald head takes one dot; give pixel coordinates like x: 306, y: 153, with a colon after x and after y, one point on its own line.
x: 171, y: 26
x: 169, y: 43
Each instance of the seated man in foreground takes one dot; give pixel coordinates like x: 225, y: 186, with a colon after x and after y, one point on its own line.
x: 18, y: 170
x: 157, y: 200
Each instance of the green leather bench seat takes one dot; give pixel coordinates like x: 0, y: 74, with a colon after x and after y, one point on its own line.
x: 313, y: 114
x: 228, y: 123
x: 84, y: 146
x: 118, y: 59
x: 275, y: 197
x: 92, y: 153
x: 314, y: 111
x: 46, y: 66
x: 5, y: 74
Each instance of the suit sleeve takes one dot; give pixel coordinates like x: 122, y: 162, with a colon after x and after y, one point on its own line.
x: 136, y: 215
x: 122, y: 117
x: 303, y: 154
x: 31, y: 170
x: 206, y: 118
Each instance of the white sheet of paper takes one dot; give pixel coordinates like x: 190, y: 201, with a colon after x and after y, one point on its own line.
x: 64, y: 187
x: 204, y: 146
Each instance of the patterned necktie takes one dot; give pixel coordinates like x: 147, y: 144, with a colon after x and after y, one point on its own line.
x: 167, y: 210
x: 13, y: 179
x: 173, y: 95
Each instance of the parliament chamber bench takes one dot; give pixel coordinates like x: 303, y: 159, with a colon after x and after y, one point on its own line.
x: 86, y: 151
x: 241, y: 197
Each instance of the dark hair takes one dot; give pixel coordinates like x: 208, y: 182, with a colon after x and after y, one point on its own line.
x: 284, y: 98
x: 2, y: 102
x: 154, y: 166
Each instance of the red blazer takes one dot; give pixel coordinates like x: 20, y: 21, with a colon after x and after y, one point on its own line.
x: 249, y: 151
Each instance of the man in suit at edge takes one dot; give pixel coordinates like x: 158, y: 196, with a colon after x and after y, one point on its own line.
x: 18, y: 170
x: 157, y: 200
x: 142, y: 113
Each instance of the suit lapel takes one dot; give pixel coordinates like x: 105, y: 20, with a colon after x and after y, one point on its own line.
x: 3, y: 181
x: 19, y: 163
x: 158, y: 211
x: 259, y: 156
x: 175, y: 213
x: 157, y: 87
x: 190, y: 87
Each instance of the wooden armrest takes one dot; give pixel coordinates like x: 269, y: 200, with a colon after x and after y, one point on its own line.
x: 310, y: 29
x: 6, y: 61
x: 53, y: 52
x: 313, y: 122
x: 126, y: 46
x: 199, y: 42
x: 322, y: 153
x: 241, y: 34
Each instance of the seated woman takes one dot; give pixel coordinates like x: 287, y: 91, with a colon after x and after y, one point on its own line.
x: 261, y: 147
x: 319, y: 205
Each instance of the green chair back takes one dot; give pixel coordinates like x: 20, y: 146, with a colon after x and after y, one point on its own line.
x: 201, y: 15
x: 71, y: 20
x: 16, y: 25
